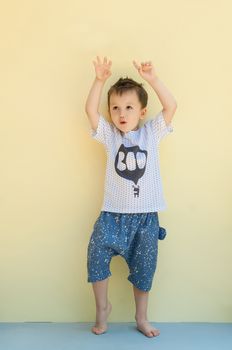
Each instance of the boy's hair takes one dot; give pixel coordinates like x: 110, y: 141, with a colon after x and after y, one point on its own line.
x: 127, y: 84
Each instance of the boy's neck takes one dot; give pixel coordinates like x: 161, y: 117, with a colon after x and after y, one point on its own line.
x: 123, y: 133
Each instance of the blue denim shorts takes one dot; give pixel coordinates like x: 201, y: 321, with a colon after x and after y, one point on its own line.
x: 133, y: 236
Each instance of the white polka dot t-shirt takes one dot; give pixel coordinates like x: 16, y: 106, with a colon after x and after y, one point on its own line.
x: 132, y: 179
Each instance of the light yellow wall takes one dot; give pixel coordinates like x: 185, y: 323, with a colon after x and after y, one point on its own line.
x: 52, y: 172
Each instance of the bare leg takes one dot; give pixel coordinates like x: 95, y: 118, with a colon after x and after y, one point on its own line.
x: 141, y: 302
x: 103, y: 306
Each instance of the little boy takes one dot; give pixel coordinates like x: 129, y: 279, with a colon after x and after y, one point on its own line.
x: 128, y: 223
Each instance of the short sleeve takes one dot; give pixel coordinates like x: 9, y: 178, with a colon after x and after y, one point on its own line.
x: 159, y: 127
x: 104, y: 131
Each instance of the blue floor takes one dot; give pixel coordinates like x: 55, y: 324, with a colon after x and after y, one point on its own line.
x: 123, y: 336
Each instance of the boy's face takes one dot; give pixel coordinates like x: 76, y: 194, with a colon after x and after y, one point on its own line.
x: 126, y: 111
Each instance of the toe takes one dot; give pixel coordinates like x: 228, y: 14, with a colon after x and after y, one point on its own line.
x: 155, y: 332
x: 98, y: 330
x: 150, y: 334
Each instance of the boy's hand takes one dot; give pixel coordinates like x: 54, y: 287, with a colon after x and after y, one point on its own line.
x: 146, y: 70
x: 102, y: 69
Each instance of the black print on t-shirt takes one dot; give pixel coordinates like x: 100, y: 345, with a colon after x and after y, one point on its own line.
x: 122, y: 161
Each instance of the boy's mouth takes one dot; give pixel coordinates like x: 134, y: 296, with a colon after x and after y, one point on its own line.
x: 122, y: 122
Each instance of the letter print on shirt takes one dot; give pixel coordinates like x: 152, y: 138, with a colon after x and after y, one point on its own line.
x: 130, y: 163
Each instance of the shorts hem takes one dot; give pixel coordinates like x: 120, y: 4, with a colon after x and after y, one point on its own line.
x: 97, y: 279
x: 137, y: 286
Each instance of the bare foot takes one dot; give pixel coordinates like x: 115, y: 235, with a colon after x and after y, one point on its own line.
x: 146, y: 328
x: 100, y: 326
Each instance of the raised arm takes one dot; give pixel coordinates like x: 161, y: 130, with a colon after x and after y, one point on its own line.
x: 102, y: 70
x: 147, y: 72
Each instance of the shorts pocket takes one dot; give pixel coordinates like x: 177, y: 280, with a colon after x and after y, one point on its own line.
x: 162, y: 233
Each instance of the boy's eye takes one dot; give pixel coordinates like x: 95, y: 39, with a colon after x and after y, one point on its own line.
x: 129, y: 107
x: 115, y: 107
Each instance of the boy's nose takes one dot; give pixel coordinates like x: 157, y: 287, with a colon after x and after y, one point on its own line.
x: 122, y: 119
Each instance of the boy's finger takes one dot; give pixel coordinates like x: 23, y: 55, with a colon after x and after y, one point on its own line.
x: 98, y: 60
x: 105, y: 60
x: 110, y: 63
x: 136, y: 65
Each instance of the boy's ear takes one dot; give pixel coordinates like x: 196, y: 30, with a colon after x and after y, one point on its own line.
x: 143, y: 113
